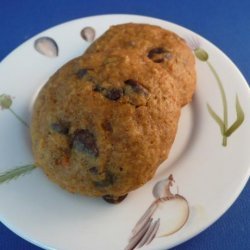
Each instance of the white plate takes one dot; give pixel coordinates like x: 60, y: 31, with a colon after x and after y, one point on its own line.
x: 209, y: 175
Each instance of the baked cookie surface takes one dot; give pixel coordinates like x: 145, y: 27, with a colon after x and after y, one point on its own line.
x: 161, y: 46
x: 103, y: 123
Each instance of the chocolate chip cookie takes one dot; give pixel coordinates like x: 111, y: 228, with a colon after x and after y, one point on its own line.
x: 104, y: 122
x: 155, y: 44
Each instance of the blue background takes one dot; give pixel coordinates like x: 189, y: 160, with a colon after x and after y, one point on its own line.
x: 225, y: 23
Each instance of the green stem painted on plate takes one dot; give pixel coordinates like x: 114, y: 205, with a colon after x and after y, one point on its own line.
x: 225, y: 130
x: 16, y: 172
x: 18, y: 117
x: 224, y: 102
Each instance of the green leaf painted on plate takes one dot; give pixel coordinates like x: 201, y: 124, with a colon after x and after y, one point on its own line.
x: 239, y: 120
x: 216, y: 118
x: 15, y: 173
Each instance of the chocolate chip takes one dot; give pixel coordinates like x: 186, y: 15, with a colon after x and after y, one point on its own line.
x: 154, y: 51
x: 113, y: 94
x: 136, y: 86
x: 159, y: 55
x: 93, y: 170
x: 160, y: 60
x: 84, y: 141
x: 81, y: 73
x: 114, y: 199
x: 60, y: 127
x: 107, y: 181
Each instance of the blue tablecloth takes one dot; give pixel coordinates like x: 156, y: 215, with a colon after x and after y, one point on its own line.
x: 226, y: 23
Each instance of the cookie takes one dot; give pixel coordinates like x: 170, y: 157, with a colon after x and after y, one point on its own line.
x: 155, y: 44
x: 103, y: 123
